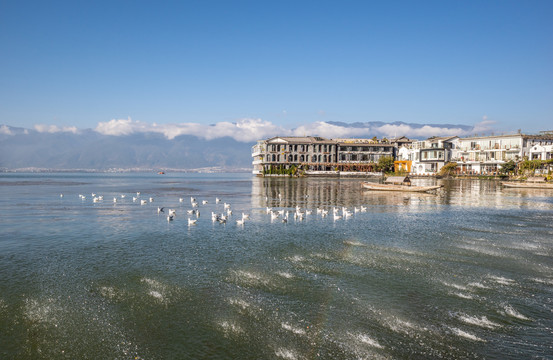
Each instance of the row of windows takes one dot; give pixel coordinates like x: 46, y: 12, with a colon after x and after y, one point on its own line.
x: 359, y: 157
x: 365, y: 148
x: 301, y: 148
x: 300, y: 158
x: 426, y: 155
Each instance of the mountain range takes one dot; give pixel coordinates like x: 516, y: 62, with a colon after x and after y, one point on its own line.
x: 90, y: 149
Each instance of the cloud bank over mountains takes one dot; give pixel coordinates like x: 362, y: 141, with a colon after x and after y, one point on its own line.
x: 129, y: 144
x: 250, y: 130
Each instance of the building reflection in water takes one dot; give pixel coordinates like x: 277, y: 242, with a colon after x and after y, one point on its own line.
x: 314, y: 192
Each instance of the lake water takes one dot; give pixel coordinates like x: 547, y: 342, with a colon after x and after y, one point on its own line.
x: 466, y: 273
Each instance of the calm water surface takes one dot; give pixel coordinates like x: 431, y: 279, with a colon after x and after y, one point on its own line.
x: 465, y: 273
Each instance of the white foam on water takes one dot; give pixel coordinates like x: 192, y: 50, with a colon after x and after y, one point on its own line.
x: 239, y: 302
x: 463, y: 296
x: 157, y: 289
x: 44, y: 312
x: 285, y: 274
x: 366, y: 339
x: 478, y: 285
x: 525, y: 246
x: 230, y: 328
x: 466, y: 335
x: 286, y: 354
x: 156, y: 295
x: 251, y: 278
x: 502, y: 280
x: 481, y: 322
x: 509, y: 310
x: 324, y: 256
x: 455, y: 286
x: 107, y: 292
x: 401, y: 326
x: 152, y: 282
x: 484, y: 251
x: 295, y: 330
x: 3, y: 306
x: 543, y: 281
x: 353, y: 243
x: 296, y: 258
x: 406, y: 251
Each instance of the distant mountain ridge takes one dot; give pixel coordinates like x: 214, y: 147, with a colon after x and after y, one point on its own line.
x: 87, y: 149
x: 69, y: 148
x: 373, y: 124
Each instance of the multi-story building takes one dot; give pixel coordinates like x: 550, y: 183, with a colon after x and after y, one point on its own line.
x: 542, y: 148
x: 284, y: 152
x: 428, y: 156
x: 474, y: 155
x: 486, y: 154
x: 362, y: 154
x: 317, y: 154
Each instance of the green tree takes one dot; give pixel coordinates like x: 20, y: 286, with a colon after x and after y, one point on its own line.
x: 448, y: 169
x: 529, y: 166
x: 385, y: 164
x: 508, y: 168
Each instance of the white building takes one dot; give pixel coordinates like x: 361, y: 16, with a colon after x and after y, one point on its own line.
x: 428, y: 156
x: 486, y: 154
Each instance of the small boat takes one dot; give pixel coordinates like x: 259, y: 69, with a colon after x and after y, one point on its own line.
x: 394, y: 187
x: 161, y: 173
x: 527, y: 185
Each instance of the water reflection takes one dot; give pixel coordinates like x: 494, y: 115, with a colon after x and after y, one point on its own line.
x: 328, y: 192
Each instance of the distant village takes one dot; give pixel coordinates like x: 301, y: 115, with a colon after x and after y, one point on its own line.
x: 477, y: 155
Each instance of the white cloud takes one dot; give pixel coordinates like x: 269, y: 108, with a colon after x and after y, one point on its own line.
x: 245, y: 130
x: 327, y: 130
x: 55, y: 129
x: 5, y: 130
x: 483, y: 126
x: 392, y: 130
x: 250, y: 130
x: 120, y: 127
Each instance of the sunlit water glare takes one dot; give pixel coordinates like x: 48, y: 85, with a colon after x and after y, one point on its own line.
x: 464, y: 273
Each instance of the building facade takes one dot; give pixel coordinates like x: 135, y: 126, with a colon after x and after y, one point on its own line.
x: 317, y: 154
x: 478, y: 155
x: 286, y: 152
x: 484, y: 155
x: 427, y: 157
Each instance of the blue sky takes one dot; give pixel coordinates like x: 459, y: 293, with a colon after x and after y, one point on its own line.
x: 289, y: 63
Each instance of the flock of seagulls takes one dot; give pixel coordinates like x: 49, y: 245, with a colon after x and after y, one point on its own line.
x: 172, y: 213
x: 299, y: 214
x: 281, y: 214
